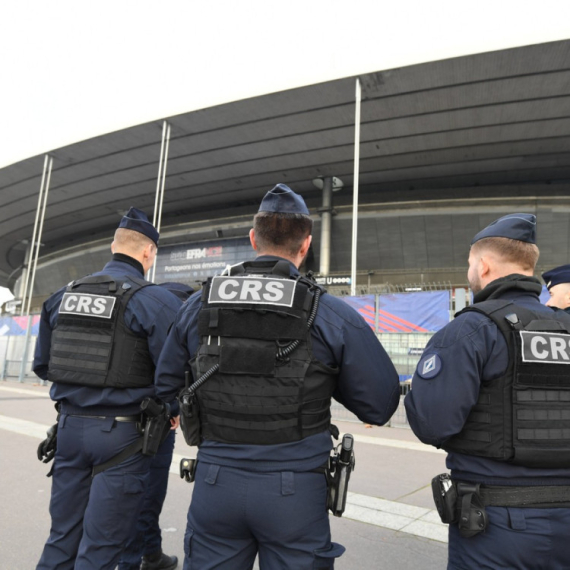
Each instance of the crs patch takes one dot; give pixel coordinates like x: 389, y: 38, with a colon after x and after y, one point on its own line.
x: 429, y: 366
x: 548, y: 348
x: 85, y: 304
x: 253, y: 289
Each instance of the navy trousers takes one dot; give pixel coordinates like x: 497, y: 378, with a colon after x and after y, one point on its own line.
x: 146, y: 537
x: 91, y: 518
x: 235, y: 514
x: 515, y: 538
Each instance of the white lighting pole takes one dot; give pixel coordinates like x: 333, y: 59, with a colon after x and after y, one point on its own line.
x: 160, y: 181
x: 355, y: 189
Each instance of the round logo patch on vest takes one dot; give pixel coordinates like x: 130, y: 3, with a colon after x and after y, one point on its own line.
x: 429, y: 366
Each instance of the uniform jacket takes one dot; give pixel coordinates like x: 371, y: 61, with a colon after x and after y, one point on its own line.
x: 470, y: 350
x: 367, y: 383
x: 149, y: 314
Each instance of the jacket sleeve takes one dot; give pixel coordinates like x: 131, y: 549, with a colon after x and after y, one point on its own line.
x: 446, y: 384
x: 42, y: 350
x: 50, y: 310
x: 181, y: 344
x: 368, y: 383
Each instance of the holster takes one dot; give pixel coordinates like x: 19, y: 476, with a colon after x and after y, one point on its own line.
x: 188, y: 469
x: 472, y: 517
x: 341, y: 465
x: 48, y: 447
x: 156, y: 426
x: 189, y: 417
x: 459, y: 503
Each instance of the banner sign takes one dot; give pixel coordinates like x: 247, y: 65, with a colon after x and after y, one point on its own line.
x: 188, y: 263
x: 17, y: 326
x: 426, y: 311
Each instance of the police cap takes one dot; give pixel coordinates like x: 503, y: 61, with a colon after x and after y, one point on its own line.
x: 557, y: 275
x: 521, y: 227
x: 283, y: 200
x: 137, y: 221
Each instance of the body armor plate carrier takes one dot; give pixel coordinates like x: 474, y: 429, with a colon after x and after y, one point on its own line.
x: 268, y: 388
x: 523, y: 417
x: 91, y: 344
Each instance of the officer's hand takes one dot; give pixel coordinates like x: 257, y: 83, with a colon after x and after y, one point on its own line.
x: 174, y: 422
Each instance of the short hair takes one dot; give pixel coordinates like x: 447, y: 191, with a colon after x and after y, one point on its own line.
x: 131, y: 240
x: 521, y: 253
x: 281, y: 231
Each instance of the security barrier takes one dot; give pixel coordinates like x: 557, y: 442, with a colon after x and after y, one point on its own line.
x: 405, y: 351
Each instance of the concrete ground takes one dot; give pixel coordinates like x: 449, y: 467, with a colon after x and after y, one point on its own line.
x: 390, y: 522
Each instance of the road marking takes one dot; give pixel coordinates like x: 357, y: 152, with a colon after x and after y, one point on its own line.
x: 23, y: 427
x: 392, y: 515
x: 32, y: 392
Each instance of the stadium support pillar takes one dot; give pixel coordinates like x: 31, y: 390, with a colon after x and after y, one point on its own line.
x: 160, y: 181
x: 28, y: 290
x: 326, y: 218
x: 355, y: 187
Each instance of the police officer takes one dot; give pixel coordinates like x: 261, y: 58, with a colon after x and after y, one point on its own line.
x: 98, y: 342
x: 146, y: 539
x: 271, y: 369
x: 558, y: 284
x: 492, y: 390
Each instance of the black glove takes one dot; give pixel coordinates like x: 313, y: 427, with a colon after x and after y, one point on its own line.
x: 46, y: 449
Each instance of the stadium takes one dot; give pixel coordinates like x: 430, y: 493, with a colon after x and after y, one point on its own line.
x: 445, y: 147
x: 433, y: 152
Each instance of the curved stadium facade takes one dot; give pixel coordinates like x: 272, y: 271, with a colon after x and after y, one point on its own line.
x: 445, y: 148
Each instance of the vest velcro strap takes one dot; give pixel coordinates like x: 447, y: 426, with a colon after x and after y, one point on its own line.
x: 85, y: 364
x: 60, y: 348
x: 83, y: 337
x: 524, y: 496
x: 544, y: 434
x: 473, y: 435
x: 257, y: 391
x: 543, y: 415
x: 262, y: 410
x: 257, y: 426
x: 481, y: 417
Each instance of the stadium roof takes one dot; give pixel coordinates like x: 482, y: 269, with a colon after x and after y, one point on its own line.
x: 494, y: 124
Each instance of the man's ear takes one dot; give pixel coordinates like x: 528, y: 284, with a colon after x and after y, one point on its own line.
x: 113, y: 246
x: 252, y: 239
x: 485, y: 266
x: 306, y: 245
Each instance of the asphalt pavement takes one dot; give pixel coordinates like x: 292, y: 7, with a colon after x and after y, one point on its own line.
x: 389, y: 524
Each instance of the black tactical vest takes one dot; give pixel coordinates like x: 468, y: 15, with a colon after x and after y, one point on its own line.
x: 90, y: 343
x: 258, y: 396
x: 523, y: 417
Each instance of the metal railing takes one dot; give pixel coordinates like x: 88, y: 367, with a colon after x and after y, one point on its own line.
x: 405, y: 351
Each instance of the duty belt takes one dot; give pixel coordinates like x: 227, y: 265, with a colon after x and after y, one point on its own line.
x: 548, y: 496
x: 136, y: 418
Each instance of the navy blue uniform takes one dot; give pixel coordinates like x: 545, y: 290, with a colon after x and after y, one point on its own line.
x: 92, y: 517
x: 471, y: 350
x: 265, y: 497
x: 147, y: 537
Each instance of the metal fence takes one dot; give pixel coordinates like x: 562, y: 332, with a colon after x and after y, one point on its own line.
x: 405, y: 351
x: 12, y: 350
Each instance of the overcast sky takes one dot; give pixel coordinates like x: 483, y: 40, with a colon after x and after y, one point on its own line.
x: 73, y: 69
